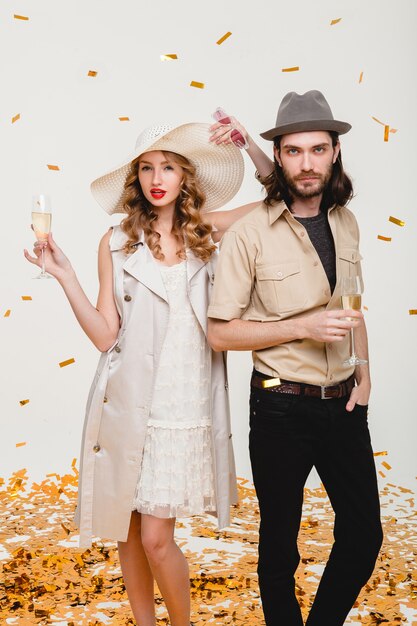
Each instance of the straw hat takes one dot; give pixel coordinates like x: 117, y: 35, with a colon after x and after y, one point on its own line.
x: 219, y: 167
x: 305, y: 112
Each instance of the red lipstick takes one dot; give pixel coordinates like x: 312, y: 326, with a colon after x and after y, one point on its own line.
x: 157, y: 193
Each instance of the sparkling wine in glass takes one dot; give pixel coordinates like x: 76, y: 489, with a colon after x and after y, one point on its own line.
x: 41, y: 223
x: 351, y: 289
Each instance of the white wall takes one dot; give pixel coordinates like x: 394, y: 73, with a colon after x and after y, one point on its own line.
x: 71, y: 120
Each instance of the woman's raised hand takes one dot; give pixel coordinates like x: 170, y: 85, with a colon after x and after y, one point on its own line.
x: 220, y: 133
x: 56, y: 263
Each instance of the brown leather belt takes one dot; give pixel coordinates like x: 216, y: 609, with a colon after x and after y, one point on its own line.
x: 340, y: 390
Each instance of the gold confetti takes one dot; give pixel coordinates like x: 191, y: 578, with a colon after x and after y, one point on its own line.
x: 7, y: 314
x: 67, y: 362
x: 379, y: 122
x: 361, y: 77
x: 412, y: 312
x: 21, y: 17
x: 195, y: 83
x: 383, y: 453
x: 386, y: 465
x: 381, y: 474
x: 168, y: 57
x: 365, y: 308
x: 333, y: 22
x: 395, y: 220
x: 92, y: 73
x: 22, y: 443
x: 26, y: 297
x: 291, y: 69
x: 124, y: 119
x: 55, y: 168
x: 393, y: 130
x: 226, y: 36
x: 382, y: 238
x: 386, y: 132
x: 23, y: 402
x: 15, y: 118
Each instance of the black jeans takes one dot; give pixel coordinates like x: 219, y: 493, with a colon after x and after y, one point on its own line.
x: 288, y: 435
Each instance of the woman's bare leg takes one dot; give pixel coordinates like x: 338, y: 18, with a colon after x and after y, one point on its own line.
x: 137, y: 574
x: 169, y: 567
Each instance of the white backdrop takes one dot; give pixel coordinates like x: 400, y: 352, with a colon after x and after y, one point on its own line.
x: 71, y: 120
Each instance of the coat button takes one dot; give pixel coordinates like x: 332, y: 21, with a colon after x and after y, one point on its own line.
x: 117, y: 349
x: 105, y: 400
x: 128, y: 298
x: 230, y: 436
x: 226, y: 386
x: 96, y: 448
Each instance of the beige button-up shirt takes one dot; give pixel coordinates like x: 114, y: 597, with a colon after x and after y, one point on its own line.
x: 269, y: 271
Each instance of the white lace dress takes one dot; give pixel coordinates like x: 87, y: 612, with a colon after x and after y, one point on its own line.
x: 177, y: 476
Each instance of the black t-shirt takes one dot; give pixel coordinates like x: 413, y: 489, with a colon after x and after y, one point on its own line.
x: 318, y: 229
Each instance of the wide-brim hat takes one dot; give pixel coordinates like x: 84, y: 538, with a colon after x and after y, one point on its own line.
x: 305, y: 112
x: 219, y: 168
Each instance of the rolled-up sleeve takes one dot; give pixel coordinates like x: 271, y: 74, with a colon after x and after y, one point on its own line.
x: 234, y: 278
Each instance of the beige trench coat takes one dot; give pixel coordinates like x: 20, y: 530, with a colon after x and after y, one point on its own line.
x: 120, y: 398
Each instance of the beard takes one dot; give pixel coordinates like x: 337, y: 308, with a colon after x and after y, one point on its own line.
x: 313, y: 188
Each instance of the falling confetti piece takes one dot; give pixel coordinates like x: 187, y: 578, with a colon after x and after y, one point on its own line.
x: 333, y: 22
x: 386, y: 465
x: 194, y: 83
x: 7, y: 314
x: 291, y: 69
x: 361, y: 77
x: 395, y: 220
x: 393, y: 130
x: 381, y: 474
x: 67, y: 362
x: 16, y: 118
x: 92, y: 73
x: 23, y: 402
x: 377, y: 120
x: 382, y: 238
x: 168, y: 57
x: 226, y: 36
x: 365, y: 308
x: 26, y: 297
x: 55, y: 168
x: 383, y: 453
x: 386, y: 132
x: 412, y: 312
x: 21, y: 17
x: 124, y: 119
x: 22, y: 443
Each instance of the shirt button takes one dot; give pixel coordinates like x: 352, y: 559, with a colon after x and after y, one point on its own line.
x: 117, y: 349
x: 128, y: 298
x: 96, y: 448
x: 302, y: 234
x: 331, y: 376
x: 279, y: 274
x: 315, y: 263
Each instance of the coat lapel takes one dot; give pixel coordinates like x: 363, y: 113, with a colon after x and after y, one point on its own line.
x: 197, y: 278
x: 142, y: 266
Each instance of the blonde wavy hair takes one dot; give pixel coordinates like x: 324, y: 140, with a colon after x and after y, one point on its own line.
x: 189, y: 228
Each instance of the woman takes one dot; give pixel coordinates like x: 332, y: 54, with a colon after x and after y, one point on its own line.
x: 156, y: 440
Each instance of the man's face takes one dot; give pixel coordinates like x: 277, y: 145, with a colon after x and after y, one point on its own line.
x: 307, y: 160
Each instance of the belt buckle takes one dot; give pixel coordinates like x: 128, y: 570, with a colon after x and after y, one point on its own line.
x: 323, y: 393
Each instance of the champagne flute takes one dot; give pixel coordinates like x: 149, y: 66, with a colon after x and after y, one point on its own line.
x: 41, y: 223
x: 351, y: 289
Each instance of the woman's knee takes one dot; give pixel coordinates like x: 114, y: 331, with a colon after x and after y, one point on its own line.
x: 156, y: 541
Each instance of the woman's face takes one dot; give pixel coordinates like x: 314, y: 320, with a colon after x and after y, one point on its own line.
x: 159, y: 178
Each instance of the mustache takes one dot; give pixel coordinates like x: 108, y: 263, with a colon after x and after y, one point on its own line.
x: 308, y: 176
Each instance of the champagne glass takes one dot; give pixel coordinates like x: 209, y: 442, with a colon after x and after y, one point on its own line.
x: 41, y: 223
x: 236, y: 136
x: 351, y: 289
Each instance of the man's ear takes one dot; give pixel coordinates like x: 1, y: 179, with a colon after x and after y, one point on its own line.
x: 336, y: 152
x: 277, y: 157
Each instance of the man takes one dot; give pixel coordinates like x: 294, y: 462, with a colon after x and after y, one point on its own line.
x: 277, y: 293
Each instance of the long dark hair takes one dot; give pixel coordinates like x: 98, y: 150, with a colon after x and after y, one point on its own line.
x: 339, y: 189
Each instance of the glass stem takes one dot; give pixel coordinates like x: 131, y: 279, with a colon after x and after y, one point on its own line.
x: 43, y: 262
x: 352, y: 343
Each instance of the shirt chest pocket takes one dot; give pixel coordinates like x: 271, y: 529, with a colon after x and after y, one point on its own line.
x: 349, y: 262
x: 280, y: 287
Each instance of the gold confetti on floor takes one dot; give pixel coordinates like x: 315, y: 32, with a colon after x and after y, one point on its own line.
x: 195, y: 83
x: 296, y: 68
x: 7, y: 314
x: 124, y: 119
x: 396, y: 221
x: 48, y: 580
x: 26, y: 297
x: 15, y: 118
x: 21, y: 17
x: 92, y: 73
x: 383, y: 238
x: 360, y: 77
x: 23, y: 402
x: 55, y: 168
x: 225, y: 36
x: 67, y: 362
x: 336, y: 21
x: 168, y: 57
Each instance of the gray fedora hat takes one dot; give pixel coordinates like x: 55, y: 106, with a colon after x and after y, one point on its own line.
x: 304, y: 112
